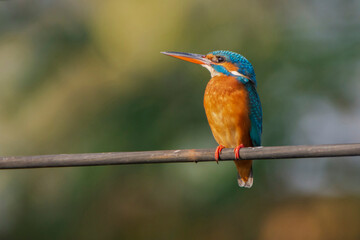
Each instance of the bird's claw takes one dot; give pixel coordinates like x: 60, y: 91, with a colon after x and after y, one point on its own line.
x: 236, y: 151
x: 217, y: 153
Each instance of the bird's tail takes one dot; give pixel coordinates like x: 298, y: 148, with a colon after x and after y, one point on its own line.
x: 245, y: 173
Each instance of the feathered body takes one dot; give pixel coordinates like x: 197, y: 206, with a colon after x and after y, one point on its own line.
x: 226, y: 103
x: 232, y: 105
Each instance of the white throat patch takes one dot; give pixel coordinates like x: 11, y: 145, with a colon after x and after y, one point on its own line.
x: 211, y: 70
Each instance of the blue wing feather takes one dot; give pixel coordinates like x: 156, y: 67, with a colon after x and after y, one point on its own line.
x: 255, y: 115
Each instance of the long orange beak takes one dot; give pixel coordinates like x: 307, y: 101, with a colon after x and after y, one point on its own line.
x: 190, y: 57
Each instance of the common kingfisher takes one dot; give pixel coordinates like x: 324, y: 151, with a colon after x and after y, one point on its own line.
x: 232, y: 105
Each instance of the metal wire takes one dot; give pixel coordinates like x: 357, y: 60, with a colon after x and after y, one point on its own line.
x: 176, y: 156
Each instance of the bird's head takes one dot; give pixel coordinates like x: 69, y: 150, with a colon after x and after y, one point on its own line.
x: 221, y: 63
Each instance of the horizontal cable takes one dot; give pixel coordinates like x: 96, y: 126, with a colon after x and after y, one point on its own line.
x: 175, y: 156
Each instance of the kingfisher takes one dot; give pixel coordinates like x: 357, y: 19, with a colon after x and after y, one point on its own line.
x: 232, y: 105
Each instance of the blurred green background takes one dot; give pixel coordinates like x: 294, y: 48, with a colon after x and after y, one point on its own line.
x: 87, y: 76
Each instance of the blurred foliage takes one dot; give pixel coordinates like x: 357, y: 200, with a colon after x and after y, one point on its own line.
x: 88, y: 77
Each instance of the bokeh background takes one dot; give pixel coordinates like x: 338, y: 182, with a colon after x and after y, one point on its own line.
x: 87, y: 76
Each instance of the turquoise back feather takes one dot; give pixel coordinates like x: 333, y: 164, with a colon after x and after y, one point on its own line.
x: 255, y: 115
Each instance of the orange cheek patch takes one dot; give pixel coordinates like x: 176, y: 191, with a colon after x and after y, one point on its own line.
x: 209, y: 56
x: 229, y: 66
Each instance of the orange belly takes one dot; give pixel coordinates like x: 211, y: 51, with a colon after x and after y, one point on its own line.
x: 227, y: 110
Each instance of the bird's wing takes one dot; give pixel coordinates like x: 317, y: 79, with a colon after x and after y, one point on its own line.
x: 255, y: 115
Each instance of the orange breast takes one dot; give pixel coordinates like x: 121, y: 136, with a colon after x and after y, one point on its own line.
x: 227, y: 110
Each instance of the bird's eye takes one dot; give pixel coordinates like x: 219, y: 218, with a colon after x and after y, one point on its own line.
x: 218, y: 59
x: 221, y: 59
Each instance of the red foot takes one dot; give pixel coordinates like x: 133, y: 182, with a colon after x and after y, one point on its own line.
x: 217, y: 153
x: 236, y: 151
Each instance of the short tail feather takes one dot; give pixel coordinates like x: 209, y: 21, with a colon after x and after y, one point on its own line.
x: 249, y: 181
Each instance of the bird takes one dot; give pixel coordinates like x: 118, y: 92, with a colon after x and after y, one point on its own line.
x: 232, y: 105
